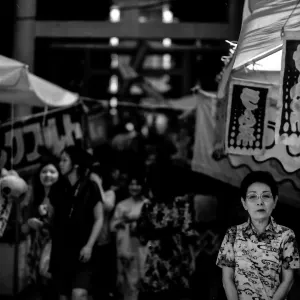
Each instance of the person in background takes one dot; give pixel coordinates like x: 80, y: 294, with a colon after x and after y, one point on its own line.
x: 77, y: 224
x: 166, y: 226
x: 130, y: 253
x: 47, y: 188
x: 258, y: 257
x: 119, y: 181
x: 104, y: 263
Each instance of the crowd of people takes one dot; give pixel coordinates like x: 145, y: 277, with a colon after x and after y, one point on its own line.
x: 124, y: 235
x: 131, y: 235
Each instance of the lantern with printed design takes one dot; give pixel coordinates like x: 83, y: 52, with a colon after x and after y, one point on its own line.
x: 12, y: 189
x: 246, y: 118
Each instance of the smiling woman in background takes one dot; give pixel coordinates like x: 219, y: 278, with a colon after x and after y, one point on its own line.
x: 131, y: 253
x: 258, y: 257
x: 46, y: 190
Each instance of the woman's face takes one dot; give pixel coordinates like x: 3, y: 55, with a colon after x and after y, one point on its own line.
x: 115, y: 174
x: 259, y: 202
x: 65, y: 164
x: 135, y: 188
x: 49, y: 175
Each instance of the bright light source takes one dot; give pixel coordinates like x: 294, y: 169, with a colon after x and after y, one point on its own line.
x: 149, y: 119
x: 114, y: 41
x: 167, y: 61
x: 161, y: 123
x: 167, y: 42
x: 142, y: 19
x: 113, y: 102
x: 129, y: 126
x: 115, y: 14
x: 113, y: 84
x: 167, y: 15
x: 145, y: 131
x: 114, y: 61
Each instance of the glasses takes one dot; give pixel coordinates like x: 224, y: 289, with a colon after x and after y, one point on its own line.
x: 265, y: 197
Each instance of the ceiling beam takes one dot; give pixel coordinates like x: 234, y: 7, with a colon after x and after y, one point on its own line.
x: 125, y: 49
x: 132, y: 30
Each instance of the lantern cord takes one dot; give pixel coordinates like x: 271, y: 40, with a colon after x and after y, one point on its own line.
x: 282, y: 29
x: 12, y: 137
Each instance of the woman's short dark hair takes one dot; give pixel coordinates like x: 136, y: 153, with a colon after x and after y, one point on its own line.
x: 79, y: 157
x: 259, y: 177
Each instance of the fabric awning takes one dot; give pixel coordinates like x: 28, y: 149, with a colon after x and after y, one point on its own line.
x: 19, y: 86
x: 261, y: 31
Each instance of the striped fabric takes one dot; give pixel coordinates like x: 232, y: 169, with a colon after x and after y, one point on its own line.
x: 261, y: 29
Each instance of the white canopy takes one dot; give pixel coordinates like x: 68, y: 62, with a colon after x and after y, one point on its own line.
x: 19, y: 86
x: 261, y: 30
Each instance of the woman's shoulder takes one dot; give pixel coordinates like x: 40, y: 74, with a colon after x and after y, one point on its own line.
x: 284, y: 230
x: 109, y: 199
x: 110, y: 193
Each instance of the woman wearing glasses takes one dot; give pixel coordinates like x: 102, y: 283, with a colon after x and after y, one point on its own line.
x: 258, y: 257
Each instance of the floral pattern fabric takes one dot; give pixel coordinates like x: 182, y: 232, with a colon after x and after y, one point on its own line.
x: 39, y: 239
x: 258, y: 259
x: 169, y: 263
x: 130, y: 253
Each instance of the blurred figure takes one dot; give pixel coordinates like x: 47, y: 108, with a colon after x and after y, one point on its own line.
x: 104, y: 276
x: 77, y: 224
x: 119, y: 181
x: 130, y: 253
x: 166, y: 227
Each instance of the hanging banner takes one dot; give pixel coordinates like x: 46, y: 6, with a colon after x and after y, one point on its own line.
x: 246, y: 118
x: 232, y: 169
x: 23, y: 139
x: 288, y: 122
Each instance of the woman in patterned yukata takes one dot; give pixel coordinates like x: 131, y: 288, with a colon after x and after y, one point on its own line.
x: 130, y: 253
x: 258, y: 257
x: 166, y: 226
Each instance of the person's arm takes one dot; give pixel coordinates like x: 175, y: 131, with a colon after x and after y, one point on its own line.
x: 86, y: 251
x: 110, y: 200
x: 98, y: 223
x: 94, y: 196
x: 228, y: 283
x: 117, y: 219
x: 285, y: 285
x: 97, y: 179
x: 226, y: 260
x: 290, y: 262
x: 29, y: 219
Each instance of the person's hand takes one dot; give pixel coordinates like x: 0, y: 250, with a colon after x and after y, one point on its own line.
x: 85, y: 254
x: 35, y: 223
x: 133, y: 227
x: 43, y: 209
x: 44, y: 270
